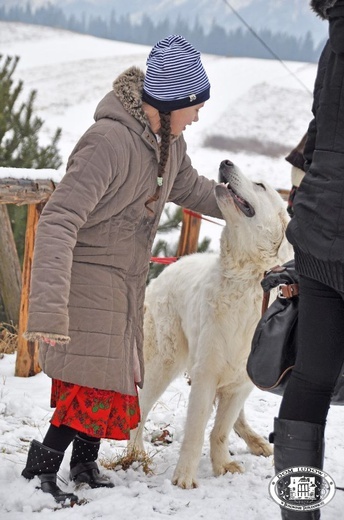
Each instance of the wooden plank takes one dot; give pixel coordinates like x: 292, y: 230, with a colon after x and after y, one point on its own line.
x: 10, y: 272
x: 27, y: 352
x: 25, y: 191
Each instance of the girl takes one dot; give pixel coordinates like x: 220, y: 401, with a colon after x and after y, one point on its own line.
x: 92, y: 255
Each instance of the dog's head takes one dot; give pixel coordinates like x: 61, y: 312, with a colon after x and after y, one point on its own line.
x: 256, y: 217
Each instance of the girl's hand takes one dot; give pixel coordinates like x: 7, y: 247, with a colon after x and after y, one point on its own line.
x: 49, y: 341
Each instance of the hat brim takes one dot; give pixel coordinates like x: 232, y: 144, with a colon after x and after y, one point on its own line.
x: 176, y: 104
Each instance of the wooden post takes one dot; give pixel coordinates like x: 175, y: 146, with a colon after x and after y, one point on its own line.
x: 284, y: 193
x: 27, y: 352
x: 35, y: 193
x: 10, y: 273
x: 188, y: 241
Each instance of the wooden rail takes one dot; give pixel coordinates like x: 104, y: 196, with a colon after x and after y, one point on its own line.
x: 35, y: 193
x: 25, y: 191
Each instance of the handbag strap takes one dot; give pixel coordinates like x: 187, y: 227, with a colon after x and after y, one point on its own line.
x: 265, y: 302
x: 288, y: 290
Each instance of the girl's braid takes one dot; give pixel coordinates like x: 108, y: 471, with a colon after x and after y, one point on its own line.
x: 165, y: 134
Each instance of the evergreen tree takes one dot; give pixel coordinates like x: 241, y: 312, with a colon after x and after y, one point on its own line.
x: 98, y: 27
x: 19, y: 146
x: 19, y: 127
x: 219, y: 40
x: 307, y: 44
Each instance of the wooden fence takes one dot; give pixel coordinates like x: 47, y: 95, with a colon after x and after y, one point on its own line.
x: 35, y: 193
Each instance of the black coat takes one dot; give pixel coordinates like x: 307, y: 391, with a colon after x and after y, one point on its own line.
x: 317, y: 229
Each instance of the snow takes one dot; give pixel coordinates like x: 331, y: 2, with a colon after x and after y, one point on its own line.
x: 253, y: 99
x: 25, y: 414
x: 28, y: 173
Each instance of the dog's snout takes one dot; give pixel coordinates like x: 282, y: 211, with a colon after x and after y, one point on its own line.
x: 227, y: 162
x: 226, y: 170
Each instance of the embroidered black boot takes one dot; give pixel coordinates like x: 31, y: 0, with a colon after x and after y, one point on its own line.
x: 297, y: 443
x: 45, y: 463
x: 83, y: 466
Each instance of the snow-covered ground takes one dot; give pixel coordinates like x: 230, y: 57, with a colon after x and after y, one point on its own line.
x: 253, y: 99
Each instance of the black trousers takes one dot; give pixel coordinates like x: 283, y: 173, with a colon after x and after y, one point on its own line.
x: 59, y: 438
x: 320, y: 353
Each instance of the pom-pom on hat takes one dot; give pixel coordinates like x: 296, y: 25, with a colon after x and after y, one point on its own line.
x: 175, y: 76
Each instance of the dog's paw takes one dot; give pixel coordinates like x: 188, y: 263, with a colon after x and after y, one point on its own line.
x: 228, y: 467
x: 136, y: 450
x: 261, y: 448
x: 135, y: 443
x: 184, y: 481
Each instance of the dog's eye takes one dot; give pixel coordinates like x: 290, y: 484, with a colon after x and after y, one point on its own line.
x: 261, y: 185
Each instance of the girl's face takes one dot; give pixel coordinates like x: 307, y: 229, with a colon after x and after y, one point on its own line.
x: 180, y: 119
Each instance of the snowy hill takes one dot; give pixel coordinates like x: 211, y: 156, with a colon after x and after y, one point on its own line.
x: 260, y: 100
x: 251, y: 100
x: 263, y: 99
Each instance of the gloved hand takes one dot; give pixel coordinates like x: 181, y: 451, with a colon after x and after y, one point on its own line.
x: 281, y: 274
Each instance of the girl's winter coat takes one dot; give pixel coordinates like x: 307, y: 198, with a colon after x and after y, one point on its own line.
x: 94, y: 243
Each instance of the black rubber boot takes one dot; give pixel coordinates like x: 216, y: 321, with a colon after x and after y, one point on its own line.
x: 45, y: 463
x: 298, y: 443
x: 83, y: 466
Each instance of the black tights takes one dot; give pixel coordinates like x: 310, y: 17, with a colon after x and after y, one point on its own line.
x: 59, y: 438
x: 320, y: 354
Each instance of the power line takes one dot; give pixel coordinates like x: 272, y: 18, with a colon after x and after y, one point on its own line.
x: 266, y: 46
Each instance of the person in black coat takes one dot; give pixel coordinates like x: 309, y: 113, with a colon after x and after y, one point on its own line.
x: 316, y: 232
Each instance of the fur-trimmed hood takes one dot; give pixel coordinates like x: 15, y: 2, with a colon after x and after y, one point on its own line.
x: 127, y: 102
x: 128, y: 88
x: 321, y: 7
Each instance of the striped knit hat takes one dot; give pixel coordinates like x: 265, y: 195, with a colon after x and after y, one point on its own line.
x: 175, y: 76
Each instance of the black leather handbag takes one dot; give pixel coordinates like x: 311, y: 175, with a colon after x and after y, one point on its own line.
x: 274, y: 343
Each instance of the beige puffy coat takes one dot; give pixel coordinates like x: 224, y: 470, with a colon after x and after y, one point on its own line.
x: 94, y: 242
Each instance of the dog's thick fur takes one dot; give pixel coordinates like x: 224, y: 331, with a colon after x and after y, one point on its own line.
x: 200, y: 315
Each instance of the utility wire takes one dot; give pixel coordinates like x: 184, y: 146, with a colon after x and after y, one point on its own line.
x: 265, y: 45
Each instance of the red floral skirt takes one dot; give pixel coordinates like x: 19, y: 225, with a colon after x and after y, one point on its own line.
x: 98, y: 413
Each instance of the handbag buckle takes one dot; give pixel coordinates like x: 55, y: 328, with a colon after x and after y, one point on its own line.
x: 280, y: 291
x: 286, y: 290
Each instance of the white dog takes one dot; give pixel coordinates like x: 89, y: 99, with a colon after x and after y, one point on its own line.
x: 200, y: 315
